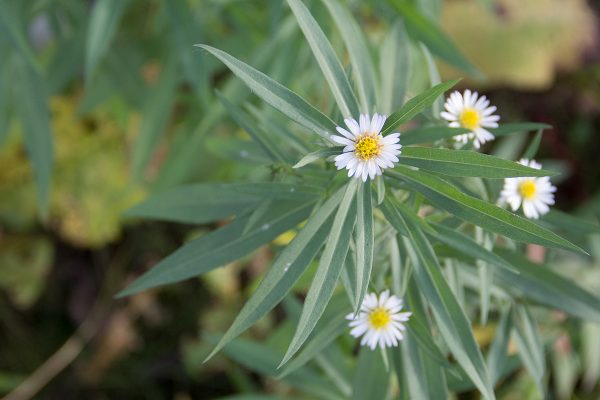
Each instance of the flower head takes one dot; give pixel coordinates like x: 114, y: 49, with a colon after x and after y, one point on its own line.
x: 535, y: 194
x: 367, y: 152
x: 471, y: 112
x: 379, y: 320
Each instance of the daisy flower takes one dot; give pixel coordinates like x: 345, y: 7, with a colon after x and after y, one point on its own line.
x: 471, y: 112
x: 535, y: 194
x: 367, y: 152
x: 379, y: 320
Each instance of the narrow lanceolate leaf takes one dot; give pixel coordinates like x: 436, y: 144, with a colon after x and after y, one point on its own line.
x: 371, y: 379
x: 422, y: 29
x: 222, y: 246
x: 426, y: 379
x: 286, y: 269
x: 415, y: 105
x: 32, y: 108
x: 328, y: 61
x: 430, y: 134
x: 561, y: 220
x: 454, y: 326
x: 360, y: 57
x: 531, y: 349
x: 448, y: 197
x: 104, y: 21
x: 277, y: 95
x: 507, y: 129
x: 498, y: 355
x: 394, y: 66
x: 542, y: 285
x: 465, y: 163
x: 365, y: 238
x: 14, y: 27
x: 328, y: 271
x: 155, y: 118
x: 469, y: 247
x: 208, y: 202
x: 318, y: 155
x: 331, y: 331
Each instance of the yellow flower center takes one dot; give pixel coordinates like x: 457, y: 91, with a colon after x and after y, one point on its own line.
x: 527, y: 189
x: 379, y: 318
x: 469, y: 118
x: 367, y: 147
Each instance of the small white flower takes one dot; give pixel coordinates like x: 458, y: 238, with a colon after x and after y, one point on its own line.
x: 379, y: 320
x: 471, y: 112
x: 535, y: 194
x: 367, y: 152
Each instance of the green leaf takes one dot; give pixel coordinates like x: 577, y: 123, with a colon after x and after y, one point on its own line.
x: 453, y: 324
x: 498, y: 355
x: 277, y: 95
x: 318, y: 155
x: 427, y: 32
x: 329, y: 332
x: 208, y: 202
x: 360, y: 57
x: 446, y: 196
x: 32, y: 109
x: 104, y: 20
x: 155, y: 117
x: 286, y: 270
x: 569, y: 223
x: 531, y: 349
x: 533, y: 147
x: 394, y: 65
x: 542, y: 285
x: 465, y: 163
x: 507, y: 129
x: 328, y: 61
x: 13, y: 25
x: 220, y: 247
x: 371, y: 379
x: 328, y: 271
x: 430, y: 134
x: 365, y: 241
x: 415, y: 105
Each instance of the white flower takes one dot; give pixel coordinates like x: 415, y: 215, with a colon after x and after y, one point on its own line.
x: 535, y: 194
x: 379, y: 320
x: 367, y: 152
x: 471, y: 112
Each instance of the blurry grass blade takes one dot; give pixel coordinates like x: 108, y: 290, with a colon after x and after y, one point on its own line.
x: 394, y: 64
x: 424, y: 30
x: 466, y: 245
x: 430, y: 134
x: 32, y: 109
x: 533, y: 147
x: 103, y: 24
x: 434, y: 79
x: 155, y: 117
x: 365, y: 238
x: 208, y: 202
x: 286, y: 270
x: 563, y: 221
x: 531, y: 350
x: 13, y: 25
x: 318, y: 155
x: 426, y: 379
x: 498, y: 354
x: 371, y: 379
x: 465, y: 163
x: 453, y: 324
x: 318, y: 343
x: 415, y: 105
x: 277, y: 95
x: 327, y: 59
x: 360, y: 57
x: 328, y: 271
x: 446, y: 196
x: 220, y: 247
x: 246, y: 123
x: 540, y: 284
x: 518, y: 127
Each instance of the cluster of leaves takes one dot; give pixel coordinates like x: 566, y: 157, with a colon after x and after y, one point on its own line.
x: 434, y: 209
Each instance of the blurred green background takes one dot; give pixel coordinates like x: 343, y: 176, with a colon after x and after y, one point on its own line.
x: 131, y: 110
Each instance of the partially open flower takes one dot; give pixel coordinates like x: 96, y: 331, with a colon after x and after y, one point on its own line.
x: 471, y: 112
x: 379, y: 320
x: 535, y: 194
x: 367, y: 152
